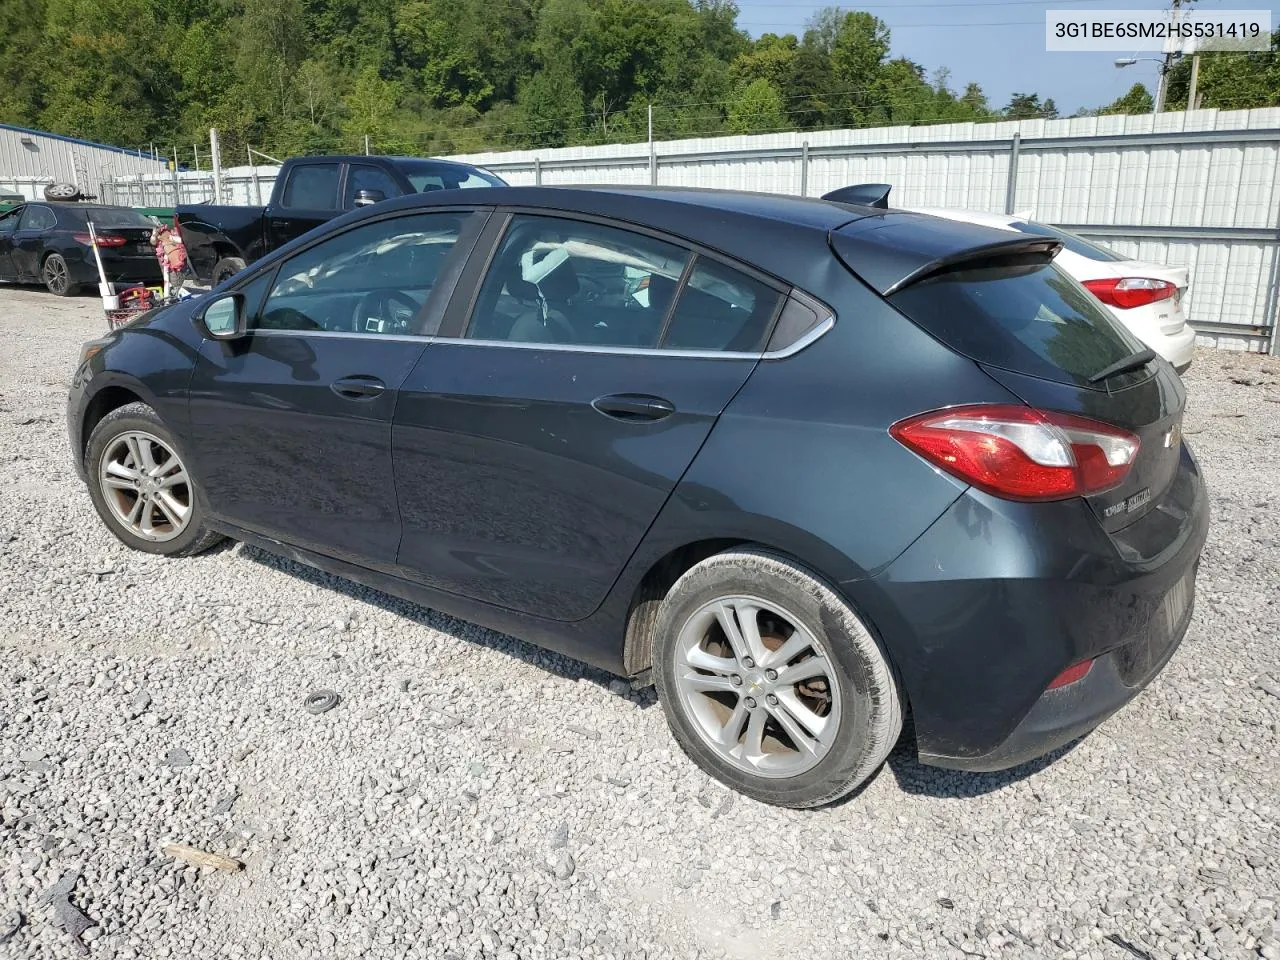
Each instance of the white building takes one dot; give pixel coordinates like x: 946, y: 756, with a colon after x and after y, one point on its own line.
x: 30, y: 160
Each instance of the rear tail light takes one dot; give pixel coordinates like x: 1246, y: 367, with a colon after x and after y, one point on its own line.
x: 104, y: 240
x: 1019, y: 453
x: 1070, y: 675
x: 1130, y: 292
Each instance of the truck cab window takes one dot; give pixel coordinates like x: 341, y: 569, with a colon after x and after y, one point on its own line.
x: 363, y: 176
x: 312, y: 186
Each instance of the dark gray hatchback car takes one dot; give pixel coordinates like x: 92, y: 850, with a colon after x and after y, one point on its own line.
x: 807, y: 466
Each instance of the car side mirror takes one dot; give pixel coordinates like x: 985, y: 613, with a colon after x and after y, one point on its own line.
x: 224, y: 318
x: 365, y: 198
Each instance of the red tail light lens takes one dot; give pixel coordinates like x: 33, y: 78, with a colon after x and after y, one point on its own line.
x: 1019, y: 453
x: 1070, y: 675
x: 1130, y: 292
x: 104, y: 240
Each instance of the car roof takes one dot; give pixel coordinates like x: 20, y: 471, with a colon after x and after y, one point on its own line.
x: 782, y: 235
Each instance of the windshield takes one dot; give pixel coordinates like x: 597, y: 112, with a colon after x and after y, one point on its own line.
x: 1077, y: 245
x: 1031, y: 319
x: 428, y: 175
x: 112, y: 217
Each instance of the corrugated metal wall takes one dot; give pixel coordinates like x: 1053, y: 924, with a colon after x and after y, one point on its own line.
x: 30, y: 160
x: 1199, y: 189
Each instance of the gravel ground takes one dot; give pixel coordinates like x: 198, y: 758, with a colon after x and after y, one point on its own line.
x: 472, y: 796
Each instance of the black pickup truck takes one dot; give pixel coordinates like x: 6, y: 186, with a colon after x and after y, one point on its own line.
x: 222, y: 240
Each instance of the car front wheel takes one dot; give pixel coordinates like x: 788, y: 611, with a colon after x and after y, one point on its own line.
x: 770, y: 681
x: 56, y: 276
x: 140, y: 486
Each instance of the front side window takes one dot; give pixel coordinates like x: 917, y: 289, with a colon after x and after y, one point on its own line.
x: 557, y: 281
x: 362, y: 176
x: 373, y: 279
x: 37, y: 218
x: 312, y: 186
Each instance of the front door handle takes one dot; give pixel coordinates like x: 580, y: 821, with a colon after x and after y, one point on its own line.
x: 358, y: 387
x: 634, y: 406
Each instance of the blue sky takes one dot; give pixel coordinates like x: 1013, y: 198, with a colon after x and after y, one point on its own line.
x: 998, y: 43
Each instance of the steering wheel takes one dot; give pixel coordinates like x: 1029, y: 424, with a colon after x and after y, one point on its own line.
x: 591, y: 288
x: 390, y: 310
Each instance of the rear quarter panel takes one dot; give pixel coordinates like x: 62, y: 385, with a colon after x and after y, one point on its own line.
x: 802, y: 460
x: 211, y: 232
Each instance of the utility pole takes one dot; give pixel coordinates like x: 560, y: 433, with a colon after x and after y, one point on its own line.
x: 1195, y: 81
x: 366, y: 144
x: 653, y: 158
x: 217, y: 164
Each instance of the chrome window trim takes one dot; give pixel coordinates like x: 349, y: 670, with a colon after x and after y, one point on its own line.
x: 814, y: 334
x: 342, y: 335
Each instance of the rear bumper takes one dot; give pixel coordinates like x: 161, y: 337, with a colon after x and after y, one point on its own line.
x: 1066, y: 714
x: 996, y: 599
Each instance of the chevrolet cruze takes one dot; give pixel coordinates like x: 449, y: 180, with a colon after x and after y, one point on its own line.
x: 807, y: 466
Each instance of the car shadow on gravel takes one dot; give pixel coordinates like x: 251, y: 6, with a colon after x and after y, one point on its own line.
x: 916, y: 778
x: 460, y: 630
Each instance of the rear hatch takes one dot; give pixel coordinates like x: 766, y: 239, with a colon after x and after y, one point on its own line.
x: 1035, y: 330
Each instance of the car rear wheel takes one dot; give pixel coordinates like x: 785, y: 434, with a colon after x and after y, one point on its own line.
x: 226, y: 268
x: 770, y: 681
x: 56, y: 276
x: 140, y: 486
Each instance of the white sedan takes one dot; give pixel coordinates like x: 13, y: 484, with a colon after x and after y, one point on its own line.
x: 1145, y: 297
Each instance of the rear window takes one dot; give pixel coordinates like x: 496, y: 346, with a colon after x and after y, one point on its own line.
x: 1031, y: 319
x: 113, y: 218
x: 1077, y: 245
x: 427, y: 176
x: 312, y: 187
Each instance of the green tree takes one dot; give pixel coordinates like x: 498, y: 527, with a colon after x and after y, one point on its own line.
x: 1228, y: 81
x: 370, y: 106
x: 1137, y: 100
x: 757, y: 108
x: 1027, y: 106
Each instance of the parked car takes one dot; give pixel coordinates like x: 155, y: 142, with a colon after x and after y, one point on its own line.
x: 221, y: 240
x: 1145, y: 297
x: 839, y: 464
x: 49, y: 243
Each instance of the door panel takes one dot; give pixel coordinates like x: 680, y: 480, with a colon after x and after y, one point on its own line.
x: 8, y: 225
x: 309, y: 198
x: 291, y: 424
x: 516, y: 491
x: 280, y: 452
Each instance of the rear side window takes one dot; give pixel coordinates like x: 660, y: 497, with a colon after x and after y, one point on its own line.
x: 1077, y: 245
x: 1030, y: 319
x: 312, y: 186
x: 720, y: 309
x: 37, y: 218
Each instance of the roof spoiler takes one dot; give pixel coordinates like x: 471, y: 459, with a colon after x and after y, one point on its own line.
x: 862, y: 194
x: 1037, y: 250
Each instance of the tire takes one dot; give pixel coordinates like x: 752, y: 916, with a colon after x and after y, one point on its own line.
x: 832, y: 648
x: 227, y: 267
x: 62, y: 192
x: 114, y: 442
x: 56, y: 276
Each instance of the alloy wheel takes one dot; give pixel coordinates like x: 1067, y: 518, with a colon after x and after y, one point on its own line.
x: 145, y: 486
x: 758, y: 685
x: 54, y: 275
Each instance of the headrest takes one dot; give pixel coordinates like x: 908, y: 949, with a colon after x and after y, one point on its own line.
x: 517, y: 286
x: 561, y: 283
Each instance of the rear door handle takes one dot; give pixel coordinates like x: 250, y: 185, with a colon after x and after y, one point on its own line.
x: 358, y: 387
x: 634, y: 406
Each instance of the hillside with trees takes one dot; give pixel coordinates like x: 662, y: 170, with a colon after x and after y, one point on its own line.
x: 450, y: 76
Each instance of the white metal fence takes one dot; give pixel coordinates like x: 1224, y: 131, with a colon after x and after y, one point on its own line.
x: 1200, y: 189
